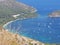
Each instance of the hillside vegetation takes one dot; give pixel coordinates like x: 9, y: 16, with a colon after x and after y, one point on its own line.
x: 8, y: 8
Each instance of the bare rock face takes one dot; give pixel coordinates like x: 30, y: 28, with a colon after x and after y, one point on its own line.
x: 55, y: 14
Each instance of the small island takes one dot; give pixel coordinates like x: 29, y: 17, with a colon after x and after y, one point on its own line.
x: 55, y: 14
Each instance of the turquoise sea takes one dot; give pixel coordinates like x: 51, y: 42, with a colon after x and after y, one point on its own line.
x: 41, y: 28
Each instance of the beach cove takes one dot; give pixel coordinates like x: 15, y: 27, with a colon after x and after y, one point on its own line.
x: 44, y: 27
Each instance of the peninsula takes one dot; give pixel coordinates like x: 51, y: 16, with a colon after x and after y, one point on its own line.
x: 11, y: 10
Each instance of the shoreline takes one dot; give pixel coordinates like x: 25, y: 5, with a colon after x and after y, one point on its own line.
x: 26, y: 38
x: 14, y: 21
x: 9, y: 23
x: 15, y: 39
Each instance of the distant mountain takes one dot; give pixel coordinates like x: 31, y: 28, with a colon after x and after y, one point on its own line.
x: 8, y: 8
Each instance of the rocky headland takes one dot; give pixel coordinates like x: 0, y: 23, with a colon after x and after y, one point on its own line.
x: 55, y: 14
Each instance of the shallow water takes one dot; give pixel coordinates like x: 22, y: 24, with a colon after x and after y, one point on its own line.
x: 44, y: 29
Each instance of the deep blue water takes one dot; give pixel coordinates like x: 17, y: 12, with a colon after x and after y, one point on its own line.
x: 43, y: 29
x: 44, y: 7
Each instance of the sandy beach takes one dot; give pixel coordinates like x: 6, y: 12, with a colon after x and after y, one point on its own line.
x: 15, y: 39
x: 23, y: 40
